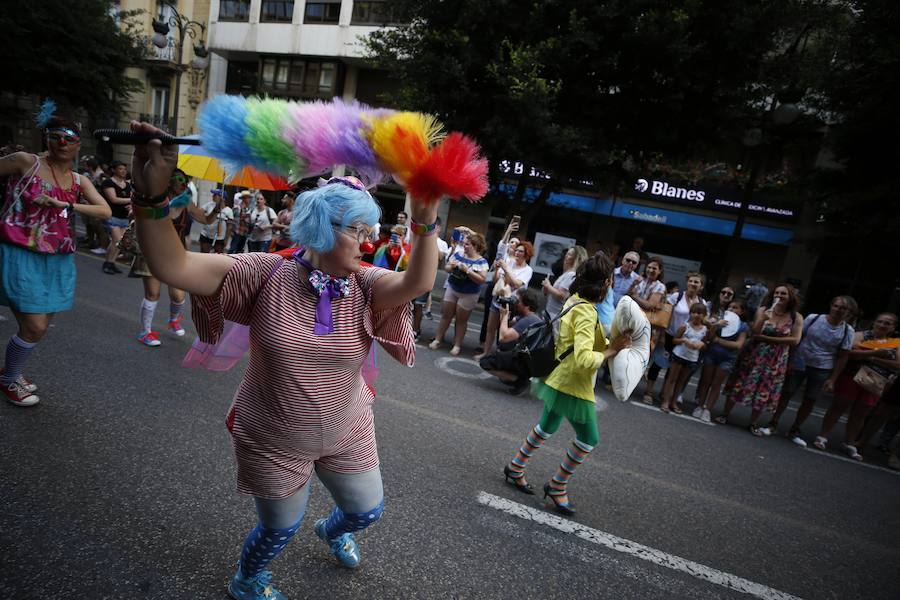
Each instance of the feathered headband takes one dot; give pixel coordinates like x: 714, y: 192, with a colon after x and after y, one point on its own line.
x: 291, y: 138
x: 43, y: 116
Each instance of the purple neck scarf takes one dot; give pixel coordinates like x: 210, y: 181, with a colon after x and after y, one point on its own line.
x: 329, y: 288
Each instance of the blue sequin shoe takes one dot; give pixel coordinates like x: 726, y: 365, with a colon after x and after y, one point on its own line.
x: 257, y: 588
x: 343, y: 547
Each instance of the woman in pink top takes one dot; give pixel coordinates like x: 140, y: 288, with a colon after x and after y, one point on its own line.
x: 302, y: 405
x: 37, y: 249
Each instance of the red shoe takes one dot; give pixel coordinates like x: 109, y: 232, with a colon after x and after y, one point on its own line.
x: 175, y: 326
x: 18, y: 395
x: 151, y: 338
x: 29, y: 385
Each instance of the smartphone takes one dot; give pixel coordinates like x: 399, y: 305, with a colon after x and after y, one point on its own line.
x: 515, y: 220
x: 395, y: 238
x: 457, y: 235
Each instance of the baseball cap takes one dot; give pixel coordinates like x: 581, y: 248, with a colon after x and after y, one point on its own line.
x: 217, y: 192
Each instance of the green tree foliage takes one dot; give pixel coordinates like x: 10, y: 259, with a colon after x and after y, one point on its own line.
x: 578, y: 89
x: 74, y: 52
x: 859, y: 91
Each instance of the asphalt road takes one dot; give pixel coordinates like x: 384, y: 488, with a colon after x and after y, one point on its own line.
x: 120, y: 484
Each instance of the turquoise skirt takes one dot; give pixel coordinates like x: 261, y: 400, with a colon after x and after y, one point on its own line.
x: 32, y: 282
x: 576, y: 410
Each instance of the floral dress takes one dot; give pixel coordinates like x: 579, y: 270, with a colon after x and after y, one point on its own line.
x: 761, y: 369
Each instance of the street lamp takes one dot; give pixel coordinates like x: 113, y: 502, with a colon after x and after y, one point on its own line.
x: 186, y: 27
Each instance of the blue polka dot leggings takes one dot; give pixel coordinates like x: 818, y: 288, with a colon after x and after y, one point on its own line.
x: 359, y: 499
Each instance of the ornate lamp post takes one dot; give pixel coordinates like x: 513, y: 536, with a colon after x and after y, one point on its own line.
x: 186, y: 27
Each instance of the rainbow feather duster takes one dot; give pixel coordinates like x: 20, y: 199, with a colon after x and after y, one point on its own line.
x: 291, y: 139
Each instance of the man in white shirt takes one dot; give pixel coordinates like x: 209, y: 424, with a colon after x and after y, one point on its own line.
x: 423, y: 302
x: 217, y: 216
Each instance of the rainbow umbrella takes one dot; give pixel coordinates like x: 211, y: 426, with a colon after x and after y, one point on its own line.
x: 194, y: 161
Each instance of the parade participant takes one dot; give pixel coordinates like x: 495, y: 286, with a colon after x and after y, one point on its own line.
x: 568, y: 392
x: 689, y: 340
x: 558, y: 292
x: 37, y: 263
x: 214, y: 217
x: 820, y: 357
x: 303, y: 405
x: 509, y: 276
x: 282, y: 223
x: 242, y: 226
x: 718, y: 362
x: 467, y: 272
x: 117, y: 191
x: 179, y: 200
x: 759, y: 374
x: 875, y: 350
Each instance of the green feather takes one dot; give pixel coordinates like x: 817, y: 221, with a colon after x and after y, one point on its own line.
x: 265, y: 120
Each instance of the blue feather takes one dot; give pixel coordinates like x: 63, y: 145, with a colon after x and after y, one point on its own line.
x: 223, y: 128
x: 48, y: 108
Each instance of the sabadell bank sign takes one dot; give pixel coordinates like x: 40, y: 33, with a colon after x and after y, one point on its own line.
x: 713, y: 198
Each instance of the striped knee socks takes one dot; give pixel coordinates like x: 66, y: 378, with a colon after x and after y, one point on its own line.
x: 575, y: 455
x: 533, y: 441
x: 17, y: 353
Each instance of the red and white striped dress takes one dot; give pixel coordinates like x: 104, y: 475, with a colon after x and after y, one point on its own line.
x: 302, y: 400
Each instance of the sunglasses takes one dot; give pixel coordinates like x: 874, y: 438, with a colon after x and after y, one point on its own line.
x: 67, y: 138
x: 727, y: 293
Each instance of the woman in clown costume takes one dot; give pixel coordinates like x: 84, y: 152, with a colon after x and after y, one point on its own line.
x: 303, y: 407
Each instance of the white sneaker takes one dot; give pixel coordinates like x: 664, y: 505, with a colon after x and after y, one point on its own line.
x: 706, y: 417
x: 765, y: 431
x: 680, y: 399
x: 698, y: 412
x: 97, y: 251
x: 799, y: 441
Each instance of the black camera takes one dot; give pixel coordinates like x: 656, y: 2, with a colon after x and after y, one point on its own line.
x: 507, y: 301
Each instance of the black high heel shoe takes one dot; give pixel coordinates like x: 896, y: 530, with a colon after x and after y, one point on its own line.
x: 525, y: 489
x: 565, y: 508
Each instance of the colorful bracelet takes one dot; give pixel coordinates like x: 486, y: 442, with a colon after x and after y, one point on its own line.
x: 150, y: 212
x: 423, y: 229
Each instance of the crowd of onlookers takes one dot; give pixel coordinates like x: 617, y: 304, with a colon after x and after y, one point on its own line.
x: 752, y: 346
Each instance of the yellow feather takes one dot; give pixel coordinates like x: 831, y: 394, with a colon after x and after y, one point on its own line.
x: 402, y: 140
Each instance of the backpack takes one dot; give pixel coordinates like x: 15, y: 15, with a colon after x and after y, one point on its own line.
x: 536, y: 348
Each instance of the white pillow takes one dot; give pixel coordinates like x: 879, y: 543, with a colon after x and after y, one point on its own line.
x: 627, y: 367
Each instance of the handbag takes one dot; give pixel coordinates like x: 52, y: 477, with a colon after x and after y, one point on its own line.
x: 870, y: 380
x: 661, y: 316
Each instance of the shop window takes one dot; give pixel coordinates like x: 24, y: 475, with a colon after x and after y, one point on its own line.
x: 234, y: 10
x: 276, y: 11
x: 322, y: 12
x: 298, y: 78
x: 242, y: 78
x: 373, y: 12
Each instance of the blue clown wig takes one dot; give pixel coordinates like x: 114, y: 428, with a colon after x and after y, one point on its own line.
x: 317, y: 212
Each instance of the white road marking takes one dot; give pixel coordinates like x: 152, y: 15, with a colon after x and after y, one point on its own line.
x: 727, y: 580
x: 443, y: 364
x: 689, y: 418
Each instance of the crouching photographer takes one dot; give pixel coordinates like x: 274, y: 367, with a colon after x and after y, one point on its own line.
x: 503, y: 363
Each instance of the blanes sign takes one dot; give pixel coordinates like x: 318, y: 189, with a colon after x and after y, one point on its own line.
x: 715, y: 198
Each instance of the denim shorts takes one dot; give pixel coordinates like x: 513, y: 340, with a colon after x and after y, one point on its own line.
x: 814, y: 378
x: 719, y: 357
x: 116, y: 222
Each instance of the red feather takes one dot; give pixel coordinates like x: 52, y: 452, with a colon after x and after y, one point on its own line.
x: 453, y: 168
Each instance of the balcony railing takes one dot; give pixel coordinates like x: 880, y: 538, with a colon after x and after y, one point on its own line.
x: 161, y: 121
x: 167, y: 54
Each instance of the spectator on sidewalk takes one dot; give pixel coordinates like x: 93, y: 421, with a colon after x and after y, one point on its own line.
x: 870, y: 351
x: 467, y: 271
x: 282, y: 223
x: 505, y: 248
x: 509, y: 276
x: 718, y: 363
x: 422, y: 304
x: 820, y: 358
x: 625, y: 276
x: 503, y: 362
x: 762, y: 365
x: 558, y: 292
x: 116, y: 191
x: 262, y: 218
x: 97, y: 238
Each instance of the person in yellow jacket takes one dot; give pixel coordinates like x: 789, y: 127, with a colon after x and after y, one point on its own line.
x: 568, y: 392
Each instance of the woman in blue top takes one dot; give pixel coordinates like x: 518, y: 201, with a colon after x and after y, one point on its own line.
x: 468, y: 270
